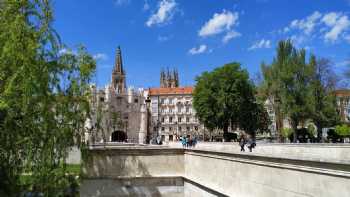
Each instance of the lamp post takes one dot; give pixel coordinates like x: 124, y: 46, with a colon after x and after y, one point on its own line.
x: 148, y: 104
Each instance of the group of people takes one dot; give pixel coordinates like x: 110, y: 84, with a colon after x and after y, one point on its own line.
x: 246, y: 140
x: 188, y: 142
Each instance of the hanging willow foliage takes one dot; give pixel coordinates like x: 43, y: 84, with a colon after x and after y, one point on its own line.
x: 43, y: 98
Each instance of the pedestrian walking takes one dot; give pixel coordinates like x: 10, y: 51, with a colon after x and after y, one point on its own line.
x: 242, y: 143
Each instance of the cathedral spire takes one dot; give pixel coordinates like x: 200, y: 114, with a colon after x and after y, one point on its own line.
x: 118, y: 62
x: 118, y: 74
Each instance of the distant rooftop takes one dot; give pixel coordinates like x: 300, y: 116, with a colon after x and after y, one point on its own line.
x: 170, y: 91
x: 343, y: 92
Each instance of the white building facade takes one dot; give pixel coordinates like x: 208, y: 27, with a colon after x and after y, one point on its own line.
x: 172, y: 114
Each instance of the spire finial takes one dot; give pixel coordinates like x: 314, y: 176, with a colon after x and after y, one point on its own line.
x: 118, y: 61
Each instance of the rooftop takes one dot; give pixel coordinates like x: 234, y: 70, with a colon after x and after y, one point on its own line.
x: 343, y: 92
x: 170, y: 91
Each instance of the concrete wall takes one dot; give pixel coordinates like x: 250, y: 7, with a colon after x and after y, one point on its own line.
x: 248, y: 175
x: 230, y: 173
x: 128, y: 162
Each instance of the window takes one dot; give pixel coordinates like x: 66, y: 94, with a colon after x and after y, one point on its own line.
x: 187, y: 119
x: 179, y: 119
x: 179, y: 109
x: 187, y: 109
x: 188, y: 128
x: 162, y: 101
x: 180, y: 128
x: 102, y: 99
x: 196, y: 128
x: 170, y: 110
x: 136, y: 100
x: 170, y: 101
x: 170, y: 128
x: 163, y: 128
x: 162, y: 119
x: 170, y: 119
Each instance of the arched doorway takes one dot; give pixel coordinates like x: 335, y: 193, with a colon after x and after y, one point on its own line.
x: 119, y: 136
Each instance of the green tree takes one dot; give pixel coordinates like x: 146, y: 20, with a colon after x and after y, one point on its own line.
x: 287, y: 82
x: 224, y: 98
x: 43, y: 98
x: 323, y: 103
x: 287, y: 132
x: 343, y: 130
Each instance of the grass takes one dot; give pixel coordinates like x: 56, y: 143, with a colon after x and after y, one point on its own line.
x: 72, y: 169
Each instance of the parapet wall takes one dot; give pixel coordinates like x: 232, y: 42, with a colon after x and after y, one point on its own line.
x: 228, y: 172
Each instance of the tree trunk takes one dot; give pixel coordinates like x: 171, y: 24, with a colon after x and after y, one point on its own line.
x: 295, y: 128
x: 319, y: 132
x: 226, y: 137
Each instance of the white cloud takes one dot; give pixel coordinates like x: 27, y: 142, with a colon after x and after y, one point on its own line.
x: 298, y: 40
x: 219, y: 23
x: 260, y: 44
x: 330, y: 26
x: 201, y: 49
x: 230, y: 35
x: 338, y: 23
x: 121, y: 2
x: 100, y: 56
x: 308, y: 24
x: 165, y: 12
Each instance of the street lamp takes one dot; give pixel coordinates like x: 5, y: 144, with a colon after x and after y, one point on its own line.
x: 148, y: 104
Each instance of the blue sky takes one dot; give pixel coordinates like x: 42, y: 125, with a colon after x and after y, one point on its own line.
x: 199, y: 35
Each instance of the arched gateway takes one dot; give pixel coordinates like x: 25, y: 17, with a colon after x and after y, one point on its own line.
x: 119, y: 136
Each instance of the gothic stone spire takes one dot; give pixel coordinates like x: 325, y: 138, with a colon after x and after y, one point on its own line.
x: 118, y: 62
x: 118, y: 74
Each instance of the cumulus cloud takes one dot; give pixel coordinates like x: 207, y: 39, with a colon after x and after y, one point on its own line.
x: 164, y: 14
x: 219, y: 23
x: 330, y: 26
x: 100, y: 56
x: 201, y: 49
x: 337, y: 22
x: 260, y: 44
x: 308, y: 24
x: 230, y: 35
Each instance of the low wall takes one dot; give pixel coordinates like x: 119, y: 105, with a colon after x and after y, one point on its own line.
x: 229, y: 173
x: 317, y: 152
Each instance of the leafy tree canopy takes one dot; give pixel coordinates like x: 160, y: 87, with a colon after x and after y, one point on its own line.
x: 43, y: 98
x: 225, y: 97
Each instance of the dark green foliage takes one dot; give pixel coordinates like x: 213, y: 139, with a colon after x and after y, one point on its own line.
x: 225, y: 97
x: 299, y: 90
x: 43, y: 98
x: 323, y: 102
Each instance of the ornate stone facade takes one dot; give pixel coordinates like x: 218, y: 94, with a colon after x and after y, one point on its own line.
x: 118, y: 113
x: 169, y: 79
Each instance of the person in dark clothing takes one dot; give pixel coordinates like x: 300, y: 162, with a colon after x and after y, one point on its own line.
x: 242, y: 143
x: 252, y: 144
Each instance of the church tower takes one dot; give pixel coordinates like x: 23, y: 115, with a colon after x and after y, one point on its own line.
x: 169, y: 79
x: 118, y: 74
